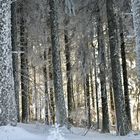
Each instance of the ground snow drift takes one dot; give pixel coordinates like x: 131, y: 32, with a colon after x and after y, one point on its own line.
x: 16, y: 133
x: 42, y: 132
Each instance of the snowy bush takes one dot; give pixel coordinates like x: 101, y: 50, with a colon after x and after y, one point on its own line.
x: 56, y: 133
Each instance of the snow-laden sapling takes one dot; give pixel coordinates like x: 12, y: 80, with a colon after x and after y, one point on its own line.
x: 56, y: 133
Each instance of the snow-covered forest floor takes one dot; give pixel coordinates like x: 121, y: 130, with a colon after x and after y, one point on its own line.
x: 42, y: 132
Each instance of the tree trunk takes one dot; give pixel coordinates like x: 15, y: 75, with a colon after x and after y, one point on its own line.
x: 137, y: 109
x: 125, y: 78
x: 46, y: 89
x: 68, y: 70
x: 24, y: 66
x: 92, y: 86
x: 58, y: 85
x: 51, y: 88
x: 36, y: 94
x: 88, y: 102
x: 102, y: 66
x: 112, y: 104
x: 78, y: 96
x: 122, y: 126
x: 15, y: 55
x: 8, y: 112
x: 96, y: 87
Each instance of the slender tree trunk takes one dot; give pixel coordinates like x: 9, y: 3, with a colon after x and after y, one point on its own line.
x: 30, y: 103
x: 92, y: 86
x: 46, y: 89
x: 24, y: 66
x: 137, y: 113
x: 96, y: 87
x: 112, y: 104
x: 36, y: 95
x: 40, y: 115
x: 73, y: 98
x: 88, y: 101
x: 15, y: 57
x: 122, y: 126
x: 8, y: 112
x: 86, y: 88
x: 125, y: 78
x: 68, y: 70
x: 51, y: 88
x: 102, y: 66
x: 78, y: 93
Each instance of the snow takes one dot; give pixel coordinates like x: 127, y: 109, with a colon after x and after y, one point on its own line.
x: 42, y: 132
x: 16, y: 133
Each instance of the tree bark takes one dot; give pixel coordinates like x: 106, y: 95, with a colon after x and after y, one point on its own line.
x: 102, y: 67
x: 68, y: 70
x: 58, y: 85
x: 124, y: 70
x: 46, y: 89
x: 36, y: 94
x: 15, y: 55
x: 88, y: 101
x: 8, y: 112
x: 112, y: 104
x: 24, y: 65
x: 92, y: 87
x: 51, y: 88
x: 122, y: 126
x: 96, y: 87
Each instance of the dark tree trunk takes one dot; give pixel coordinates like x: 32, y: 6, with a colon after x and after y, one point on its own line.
x: 88, y: 101
x: 125, y: 78
x: 24, y: 66
x: 15, y: 57
x: 68, y: 70
x: 58, y: 85
x: 122, y: 126
x: 51, y: 88
x: 102, y: 66
x: 46, y: 89
x: 112, y: 104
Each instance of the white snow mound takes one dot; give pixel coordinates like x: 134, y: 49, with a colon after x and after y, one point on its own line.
x: 15, y: 133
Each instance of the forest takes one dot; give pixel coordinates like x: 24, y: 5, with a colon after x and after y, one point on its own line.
x: 69, y: 69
